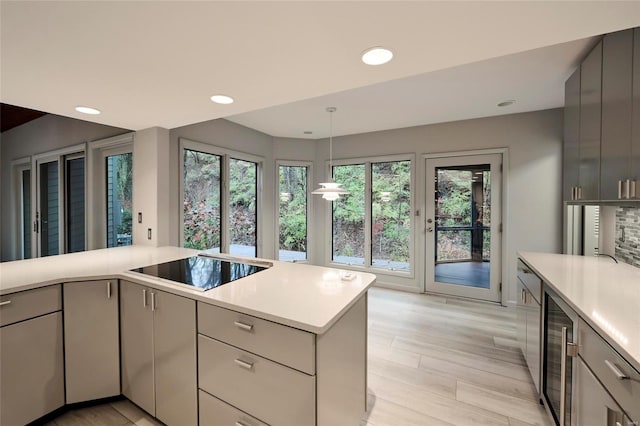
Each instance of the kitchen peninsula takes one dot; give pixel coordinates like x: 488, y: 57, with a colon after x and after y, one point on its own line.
x: 284, y: 345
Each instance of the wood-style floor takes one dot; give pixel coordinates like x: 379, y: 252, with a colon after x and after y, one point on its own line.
x: 432, y: 361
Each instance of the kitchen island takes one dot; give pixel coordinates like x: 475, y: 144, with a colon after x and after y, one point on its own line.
x: 285, y: 345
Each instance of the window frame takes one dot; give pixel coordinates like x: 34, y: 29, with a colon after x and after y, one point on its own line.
x: 368, y: 267
x: 225, y: 154
x: 309, y: 166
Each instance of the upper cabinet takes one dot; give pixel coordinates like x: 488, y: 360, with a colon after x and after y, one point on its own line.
x: 571, y: 152
x: 602, y: 123
x: 617, y: 106
x: 590, y: 110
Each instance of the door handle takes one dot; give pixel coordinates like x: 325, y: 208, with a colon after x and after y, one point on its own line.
x: 144, y: 297
x: 563, y: 377
x: 108, y: 289
x: 616, y: 371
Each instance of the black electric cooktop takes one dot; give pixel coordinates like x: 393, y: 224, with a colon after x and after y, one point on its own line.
x: 201, y: 272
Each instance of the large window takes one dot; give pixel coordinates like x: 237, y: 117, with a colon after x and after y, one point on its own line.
x: 349, y: 216
x: 371, y: 226
x: 119, y: 203
x: 201, y: 204
x: 74, y: 203
x: 390, y: 214
x: 220, y: 200
x: 292, y: 212
x: 243, y: 196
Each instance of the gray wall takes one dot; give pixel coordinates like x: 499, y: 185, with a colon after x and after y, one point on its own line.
x: 533, y: 218
x: 44, y: 134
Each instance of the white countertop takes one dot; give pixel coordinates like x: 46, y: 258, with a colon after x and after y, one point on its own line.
x: 605, y: 294
x: 304, y: 296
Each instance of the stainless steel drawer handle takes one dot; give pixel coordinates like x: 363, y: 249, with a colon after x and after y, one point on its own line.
x: 239, y: 423
x: 244, y: 364
x: 243, y: 326
x: 6, y: 302
x: 108, y: 289
x: 616, y: 371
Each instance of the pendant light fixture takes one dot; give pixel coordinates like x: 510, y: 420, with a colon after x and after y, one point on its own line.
x: 330, y: 190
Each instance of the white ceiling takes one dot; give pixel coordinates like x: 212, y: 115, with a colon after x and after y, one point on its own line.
x: 157, y: 63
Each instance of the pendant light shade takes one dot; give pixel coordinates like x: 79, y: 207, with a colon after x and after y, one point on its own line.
x: 330, y: 190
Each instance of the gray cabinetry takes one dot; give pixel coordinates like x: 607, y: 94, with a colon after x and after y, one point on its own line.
x: 31, y: 356
x: 246, y: 377
x: 590, y: 125
x: 571, y: 153
x: 608, y: 387
x: 529, y: 311
x: 158, y: 346
x: 91, y: 338
x: 617, y: 73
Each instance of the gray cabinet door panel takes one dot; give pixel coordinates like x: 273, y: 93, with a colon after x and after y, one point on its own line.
x: 277, y: 342
x: 276, y: 394
x: 29, y: 304
x: 571, y: 154
x: 32, y: 371
x: 590, y: 123
x: 136, y: 339
x: 616, y: 111
x: 174, y: 331
x: 92, y: 347
x: 214, y: 412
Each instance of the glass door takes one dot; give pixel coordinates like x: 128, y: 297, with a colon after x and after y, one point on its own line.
x: 462, y: 226
x: 48, y: 212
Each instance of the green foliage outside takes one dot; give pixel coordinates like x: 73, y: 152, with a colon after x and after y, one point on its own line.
x: 293, y: 208
x: 243, y: 196
x: 201, y: 204
x: 455, y: 208
x: 391, y: 213
x: 124, y: 187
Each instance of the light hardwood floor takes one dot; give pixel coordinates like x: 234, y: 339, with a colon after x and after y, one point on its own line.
x: 432, y: 361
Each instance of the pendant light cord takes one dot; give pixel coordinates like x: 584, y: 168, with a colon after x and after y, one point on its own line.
x: 331, y: 110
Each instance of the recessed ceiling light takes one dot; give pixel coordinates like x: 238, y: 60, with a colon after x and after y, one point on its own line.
x: 377, y: 56
x: 506, y: 103
x: 88, y: 110
x: 222, y: 99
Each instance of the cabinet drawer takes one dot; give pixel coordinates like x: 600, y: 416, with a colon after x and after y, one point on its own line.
x: 267, y: 390
x: 530, y: 280
x: 603, y: 360
x: 286, y: 345
x: 29, y: 304
x: 214, y: 412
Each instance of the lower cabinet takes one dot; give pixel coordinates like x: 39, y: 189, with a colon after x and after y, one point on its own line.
x: 158, y: 353
x: 249, y: 376
x: 91, y: 340
x: 528, y: 312
x: 594, y: 405
x: 31, y: 355
x: 607, y: 386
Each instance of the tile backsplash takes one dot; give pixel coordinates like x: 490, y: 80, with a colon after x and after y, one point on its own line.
x: 628, y: 235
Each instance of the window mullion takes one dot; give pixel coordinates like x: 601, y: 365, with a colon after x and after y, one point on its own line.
x: 367, y: 214
x: 224, y: 205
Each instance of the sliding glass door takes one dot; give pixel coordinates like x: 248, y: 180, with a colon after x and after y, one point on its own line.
x: 59, y: 222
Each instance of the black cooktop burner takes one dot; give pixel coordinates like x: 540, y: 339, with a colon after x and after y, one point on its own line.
x: 201, y: 272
